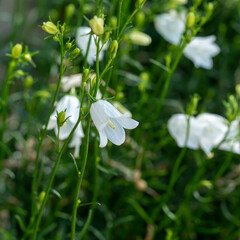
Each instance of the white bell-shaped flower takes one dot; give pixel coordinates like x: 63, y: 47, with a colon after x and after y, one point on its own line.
x: 110, y: 123
x: 82, y: 39
x: 177, y: 126
x: 213, y: 129
x: 232, y: 141
x: 170, y: 26
x: 72, y: 106
x: 201, y: 50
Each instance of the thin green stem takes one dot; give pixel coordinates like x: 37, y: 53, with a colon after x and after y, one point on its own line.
x: 88, y: 47
x: 43, y: 134
x: 85, y: 156
x: 3, y: 107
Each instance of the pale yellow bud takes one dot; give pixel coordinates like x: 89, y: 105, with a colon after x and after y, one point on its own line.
x: 27, y: 57
x: 140, y: 38
x: 97, y: 25
x: 113, y: 49
x: 190, y: 20
x: 50, y: 27
x: 17, y: 50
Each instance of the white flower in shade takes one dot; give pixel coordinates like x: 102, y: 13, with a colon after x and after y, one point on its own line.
x: 170, y: 26
x: 72, y: 106
x: 177, y: 126
x: 201, y: 50
x: 232, y: 142
x: 110, y: 123
x: 69, y: 82
x: 82, y: 39
x: 213, y: 129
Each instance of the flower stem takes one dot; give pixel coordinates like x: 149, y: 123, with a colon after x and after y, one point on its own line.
x: 43, y: 134
x: 3, y: 106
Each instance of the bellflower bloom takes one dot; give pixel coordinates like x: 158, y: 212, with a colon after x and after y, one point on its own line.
x: 110, y: 123
x: 201, y: 50
x: 213, y: 129
x: 72, y: 106
x: 82, y: 39
x: 232, y: 143
x: 177, y: 126
x: 170, y: 26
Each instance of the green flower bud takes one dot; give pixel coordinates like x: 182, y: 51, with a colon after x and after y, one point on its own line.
x: 113, y: 49
x: 140, y: 19
x: 106, y: 37
x: 20, y: 73
x: 28, y: 82
x: 113, y: 22
x: 140, y: 38
x: 61, y: 118
x: 210, y: 7
x: 69, y: 10
x: 17, y: 51
x: 97, y: 25
x: 237, y: 88
x: 50, y: 28
x: 192, y: 106
x: 27, y: 57
x: 74, y: 53
x: 68, y: 46
x: 190, y: 20
x: 86, y: 73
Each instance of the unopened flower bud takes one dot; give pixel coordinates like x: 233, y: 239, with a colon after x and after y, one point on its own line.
x: 27, y: 57
x: 210, y: 7
x: 97, y: 25
x: 28, y: 82
x: 237, y: 88
x: 40, y: 199
x: 141, y: 185
x: 106, y: 37
x: 75, y: 53
x: 113, y: 21
x: 86, y: 73
x: 17, y: 50
x: 69, y: 11
x: 113, y: 49
x: 140, y: 19
x: 190, y: 20
x: 139, y: 4
x: 192, y: 106
x: 68, y: 46
x: 50, y: 28
x: 61, y: 118
x: 140, y: 38
x: 20, y: 73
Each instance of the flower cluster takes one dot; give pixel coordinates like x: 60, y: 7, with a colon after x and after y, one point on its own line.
x: 206, y: 131
x: 200, y: 50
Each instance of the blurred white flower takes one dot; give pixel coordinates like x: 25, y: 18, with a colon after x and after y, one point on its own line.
x: 110, y: 123
x: 72, y: 106
x: 177, y: 126
x: 82, y: 39
x: 232, y: 142
x: 170, y: 26
x: 140, y: 38
x: 213, y: 129
x: 201, y: 50
x: 68, y: 82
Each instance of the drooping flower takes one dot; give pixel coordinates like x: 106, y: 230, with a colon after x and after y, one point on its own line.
x: 232, y: 141
x: 110, y: 123
x: 72, y: 106
x: 82, y: 39
x: 201, y: 50
x: 177, y: 126
x: 213, y: 129
x: 170, y: 26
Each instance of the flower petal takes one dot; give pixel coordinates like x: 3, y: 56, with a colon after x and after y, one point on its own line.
x: 64, y: 130
x: 52, y: 122
x: 127, y: 122
x: 117, y: 135
x: 103, y: 139
x: 109, y: 109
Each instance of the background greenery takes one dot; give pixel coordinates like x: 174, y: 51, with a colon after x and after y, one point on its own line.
x: 195, y: 210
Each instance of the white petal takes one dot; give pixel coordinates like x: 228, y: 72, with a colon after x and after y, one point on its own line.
x: 65, y: 130
x: 71, y: 81
x: 170, y: 26
x: 109, y: 109
x: 103, y: 139
x: 98, y: 115
x: 117, y: 135
x: 52, y: 122
x: 127, y: 122
x: 76, y: 143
